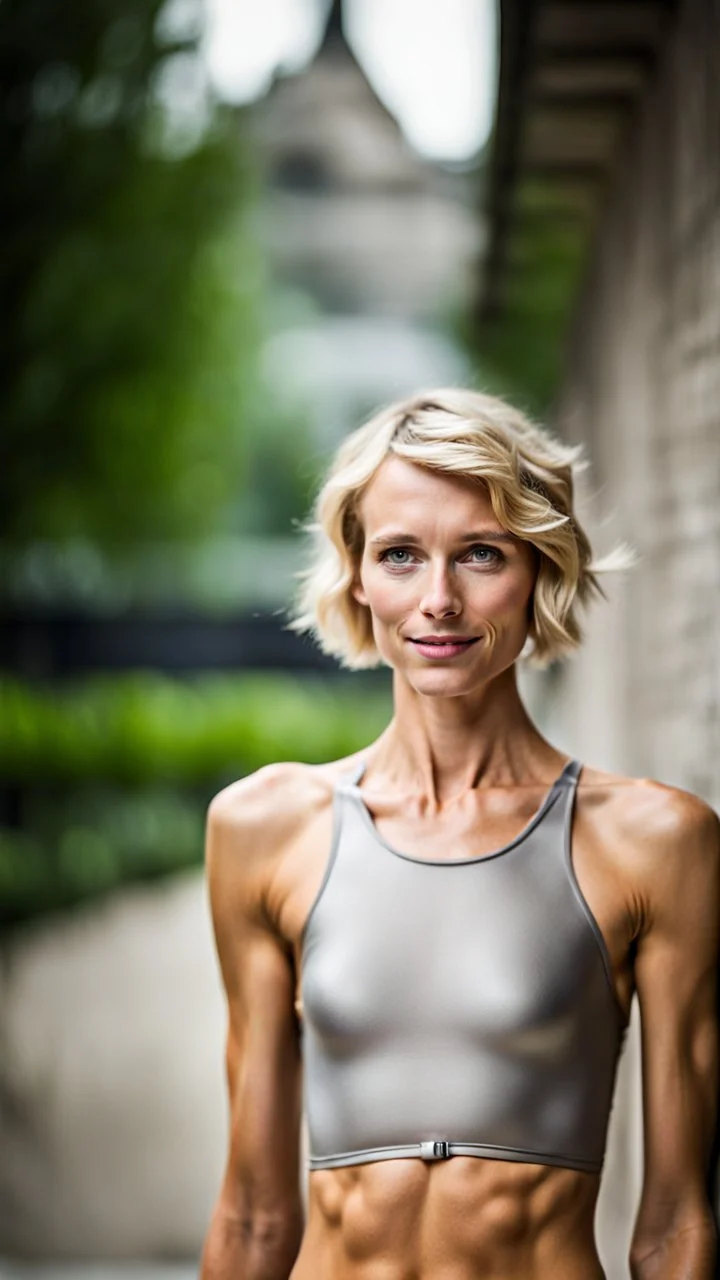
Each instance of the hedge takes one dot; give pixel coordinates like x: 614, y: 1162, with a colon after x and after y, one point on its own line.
x: 100, y: 841
x: 141, y: 728
x: 108, y: 779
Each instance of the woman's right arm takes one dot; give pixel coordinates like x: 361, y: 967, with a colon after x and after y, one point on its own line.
x: 257, y: 1223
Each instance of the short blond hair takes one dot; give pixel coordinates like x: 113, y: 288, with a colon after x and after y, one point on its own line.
x: 529, y: 477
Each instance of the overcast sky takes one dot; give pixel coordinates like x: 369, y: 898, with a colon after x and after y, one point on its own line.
x: 432, y: 62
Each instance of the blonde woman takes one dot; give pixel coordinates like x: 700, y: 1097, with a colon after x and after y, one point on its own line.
x: 442, y: 936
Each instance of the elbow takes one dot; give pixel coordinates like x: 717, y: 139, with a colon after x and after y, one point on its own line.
x: 274, y: 1237
x: 688, y: 1249
x: 252, y: 1244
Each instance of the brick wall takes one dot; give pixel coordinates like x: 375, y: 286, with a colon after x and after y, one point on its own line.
x: 643, y: 393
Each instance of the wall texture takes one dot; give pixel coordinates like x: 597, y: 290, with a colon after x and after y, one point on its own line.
x: 643, y: 393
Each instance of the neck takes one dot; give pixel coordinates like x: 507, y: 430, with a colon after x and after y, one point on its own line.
x: 447, y: 746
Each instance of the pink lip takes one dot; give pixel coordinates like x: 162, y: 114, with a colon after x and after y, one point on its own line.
x: 442, y: 639
x: 442, y: 646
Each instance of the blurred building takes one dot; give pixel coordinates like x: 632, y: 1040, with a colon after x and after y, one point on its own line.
x: 609, y: 119
x: 381, y: 243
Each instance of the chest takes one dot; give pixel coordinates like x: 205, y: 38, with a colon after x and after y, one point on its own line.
x: 490, y: 949
x: 503, y: 932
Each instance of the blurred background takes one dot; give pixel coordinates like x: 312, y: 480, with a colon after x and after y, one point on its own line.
x: 230, y: 232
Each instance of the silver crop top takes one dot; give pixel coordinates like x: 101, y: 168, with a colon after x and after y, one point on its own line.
x: 457, y: 1006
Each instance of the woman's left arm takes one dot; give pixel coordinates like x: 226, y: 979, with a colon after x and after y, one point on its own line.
x: 675, y: 973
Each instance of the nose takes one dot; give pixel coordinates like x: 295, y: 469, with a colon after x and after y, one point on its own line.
x: 440, y: 597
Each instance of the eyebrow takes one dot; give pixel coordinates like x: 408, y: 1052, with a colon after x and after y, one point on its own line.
x: 479, y: 535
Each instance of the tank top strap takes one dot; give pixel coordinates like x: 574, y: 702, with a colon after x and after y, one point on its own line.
x: 570, y: 774
x: 351, y: 777
x: 346, y: 799
x: 561, y: 803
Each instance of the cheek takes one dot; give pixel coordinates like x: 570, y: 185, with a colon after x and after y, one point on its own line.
x: 386, y: 597
x: 503, y: 596
x: 508, y: 595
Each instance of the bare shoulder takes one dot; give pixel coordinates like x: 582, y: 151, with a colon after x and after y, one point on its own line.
x: 656, y: 826
x: 259, y: 815
x: 273, y: 796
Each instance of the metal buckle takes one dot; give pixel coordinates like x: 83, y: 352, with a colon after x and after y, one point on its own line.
x: 435, y: 1150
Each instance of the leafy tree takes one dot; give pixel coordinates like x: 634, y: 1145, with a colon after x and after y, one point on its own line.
x: 129, y: 278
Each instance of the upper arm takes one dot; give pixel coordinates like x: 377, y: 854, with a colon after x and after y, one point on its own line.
x: 263, y: 1054
x: 675, y: 972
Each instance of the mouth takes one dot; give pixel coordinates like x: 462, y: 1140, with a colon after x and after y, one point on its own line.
x: 443, y: 646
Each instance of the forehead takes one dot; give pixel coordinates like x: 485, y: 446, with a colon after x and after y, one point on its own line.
x: 418, y: 498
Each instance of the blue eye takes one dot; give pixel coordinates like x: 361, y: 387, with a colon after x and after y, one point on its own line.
x: 489, y: 553
x: 402, y: 557
x: 395, y: 551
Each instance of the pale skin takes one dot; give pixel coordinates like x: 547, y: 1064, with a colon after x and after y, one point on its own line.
x: 461, y: 767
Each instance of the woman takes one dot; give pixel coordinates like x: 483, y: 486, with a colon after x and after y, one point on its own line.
x: 464, y: 912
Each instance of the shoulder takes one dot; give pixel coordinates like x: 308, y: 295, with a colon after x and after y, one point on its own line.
x: 264, y: 796
x: 659, y: 832
x: 651, y: 811
x: 260, y: 814
x: 251, y: 826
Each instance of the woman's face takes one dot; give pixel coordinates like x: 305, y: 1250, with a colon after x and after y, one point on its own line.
x: 437, y: 565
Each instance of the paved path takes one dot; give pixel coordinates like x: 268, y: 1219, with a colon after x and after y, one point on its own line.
x: 112, y: 1089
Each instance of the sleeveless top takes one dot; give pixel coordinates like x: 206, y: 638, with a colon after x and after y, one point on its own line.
x: 456, y: 1006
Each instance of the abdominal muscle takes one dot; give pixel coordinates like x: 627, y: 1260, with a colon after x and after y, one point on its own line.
x: 458, y: 1219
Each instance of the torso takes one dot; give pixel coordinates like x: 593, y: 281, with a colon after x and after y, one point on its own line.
x: 465, y: 1218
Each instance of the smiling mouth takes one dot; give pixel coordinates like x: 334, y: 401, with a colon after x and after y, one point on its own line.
x: 442, y: 641
x: 443, y: 648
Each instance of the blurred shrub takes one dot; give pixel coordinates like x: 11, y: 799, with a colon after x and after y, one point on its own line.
x: 77, y: 847
x: 137, y: 729
x: 110, y: 778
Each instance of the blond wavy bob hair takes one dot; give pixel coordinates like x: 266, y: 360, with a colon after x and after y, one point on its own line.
x: 528, y: 476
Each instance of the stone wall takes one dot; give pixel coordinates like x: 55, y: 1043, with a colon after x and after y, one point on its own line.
x: 643, y: 394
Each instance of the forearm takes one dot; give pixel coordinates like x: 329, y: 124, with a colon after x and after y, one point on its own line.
x: 251, y: 1247
x: 686, y: 1254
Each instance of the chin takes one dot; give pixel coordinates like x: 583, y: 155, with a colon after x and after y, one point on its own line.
x: 442, y: 683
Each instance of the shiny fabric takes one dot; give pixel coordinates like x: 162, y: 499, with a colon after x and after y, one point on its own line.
x: 456, y: 1006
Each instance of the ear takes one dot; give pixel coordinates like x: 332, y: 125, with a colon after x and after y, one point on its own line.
x: 358, y: 591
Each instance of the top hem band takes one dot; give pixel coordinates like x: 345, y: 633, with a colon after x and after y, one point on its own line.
x: 443, y: 1150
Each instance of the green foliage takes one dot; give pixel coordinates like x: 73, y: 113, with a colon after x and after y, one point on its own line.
x: 78, y: 846
x: 111, y: 777
x: 521, y: 350
x: 283, y: 472
x: 145, y: 728
x: 129, y: 278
